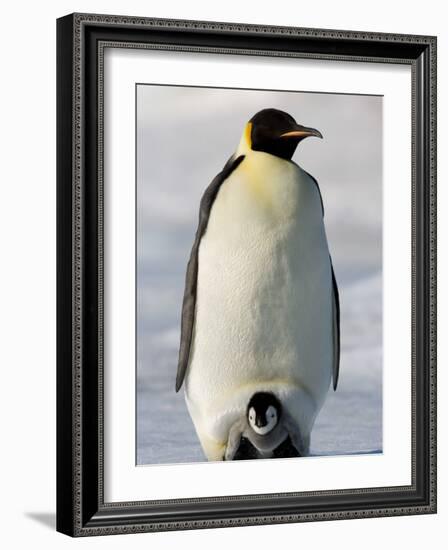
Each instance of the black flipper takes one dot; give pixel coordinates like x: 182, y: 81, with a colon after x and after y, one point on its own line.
x: 189, y: 301
x: 286, y: 450
x: 336, y: 330
x: 246, y: 451
x: 318, y: 190
x: 335, y: 307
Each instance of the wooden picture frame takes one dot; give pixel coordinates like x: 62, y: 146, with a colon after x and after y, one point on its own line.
x: 81, y: 509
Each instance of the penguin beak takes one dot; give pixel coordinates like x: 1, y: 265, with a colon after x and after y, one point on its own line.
x: 260, y: 421
x: 301, y: 132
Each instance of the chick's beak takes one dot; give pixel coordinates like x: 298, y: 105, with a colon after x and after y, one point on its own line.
x: 260, y: 421
x: 301, y: 132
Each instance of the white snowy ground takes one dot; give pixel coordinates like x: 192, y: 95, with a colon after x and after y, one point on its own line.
x: 172, y: 173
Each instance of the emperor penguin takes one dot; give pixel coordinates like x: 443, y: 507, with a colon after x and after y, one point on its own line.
x: 260, y: 313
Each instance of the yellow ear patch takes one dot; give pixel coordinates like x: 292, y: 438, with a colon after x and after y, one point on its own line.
x: 248, y: 135
x: 245, y: 144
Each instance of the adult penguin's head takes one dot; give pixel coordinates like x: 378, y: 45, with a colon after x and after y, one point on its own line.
x: 276, y: 132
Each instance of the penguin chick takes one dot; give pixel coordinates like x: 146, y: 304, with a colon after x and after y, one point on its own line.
x: 267, y: 427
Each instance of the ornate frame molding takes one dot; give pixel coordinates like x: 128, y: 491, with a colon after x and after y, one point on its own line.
x: 81, y: 42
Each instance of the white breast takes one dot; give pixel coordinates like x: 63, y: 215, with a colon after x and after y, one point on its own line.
x: 263, y: 311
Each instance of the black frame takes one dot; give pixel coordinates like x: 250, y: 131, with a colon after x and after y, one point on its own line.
x: 81, y: 510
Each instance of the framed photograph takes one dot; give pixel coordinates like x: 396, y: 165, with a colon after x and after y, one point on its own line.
x: 246, y: 274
